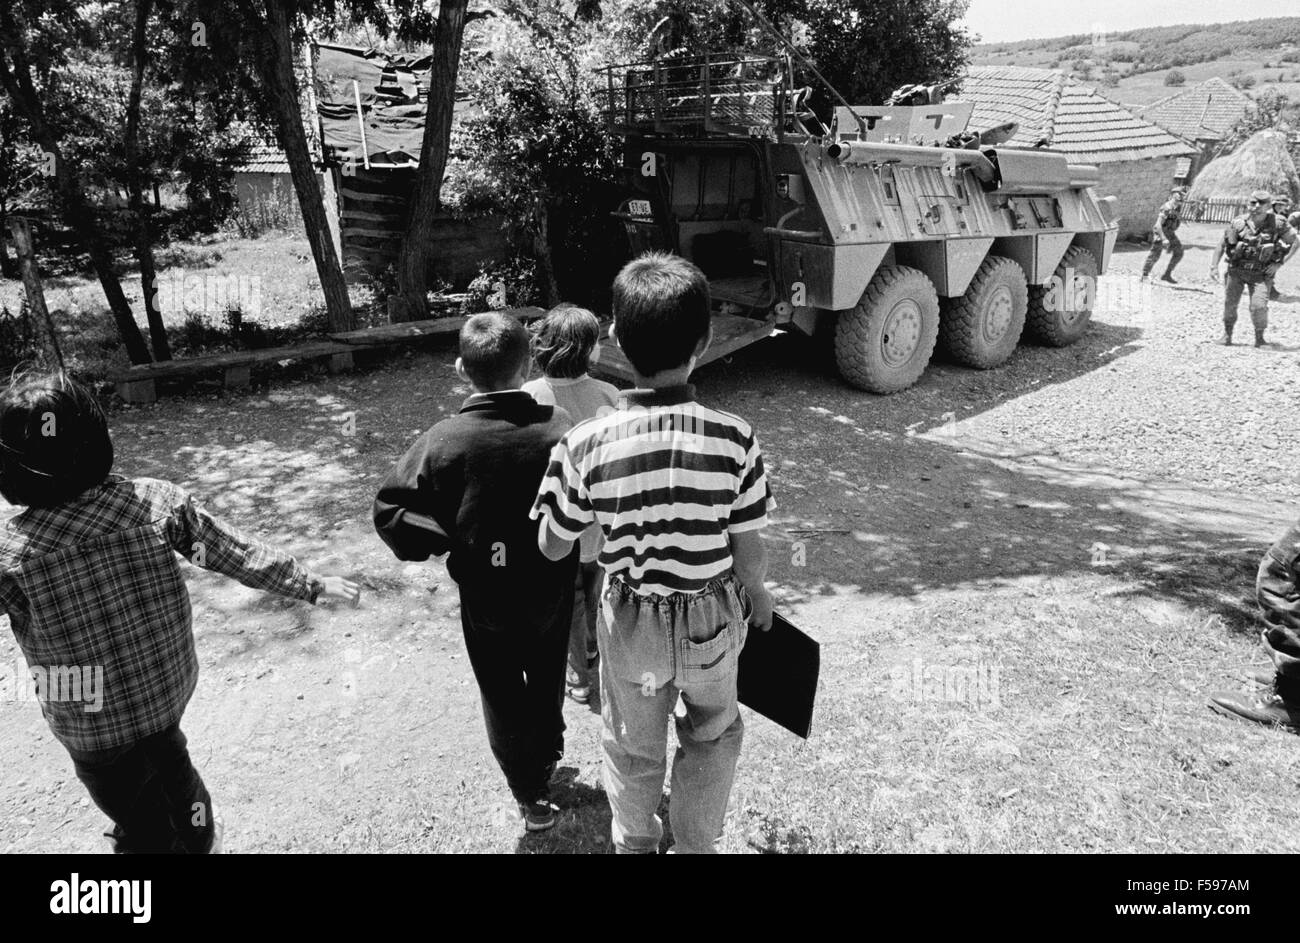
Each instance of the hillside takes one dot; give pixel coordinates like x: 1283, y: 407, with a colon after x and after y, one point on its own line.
x: 1132, y: 67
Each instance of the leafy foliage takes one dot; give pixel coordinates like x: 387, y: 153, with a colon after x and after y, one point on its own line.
x: 538, y: 153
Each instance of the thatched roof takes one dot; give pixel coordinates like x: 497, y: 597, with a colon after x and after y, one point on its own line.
x: 1261, y: 163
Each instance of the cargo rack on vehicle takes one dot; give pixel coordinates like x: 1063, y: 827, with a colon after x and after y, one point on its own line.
x: 728, y: 95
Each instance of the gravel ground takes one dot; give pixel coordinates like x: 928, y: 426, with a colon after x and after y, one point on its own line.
x: 1169, y: 404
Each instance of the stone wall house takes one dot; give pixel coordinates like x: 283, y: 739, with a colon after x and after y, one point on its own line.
x: 1137, y: 160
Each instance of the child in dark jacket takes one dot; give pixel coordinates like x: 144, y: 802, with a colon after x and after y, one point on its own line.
x: 465, y: 489
x: 97, y: 601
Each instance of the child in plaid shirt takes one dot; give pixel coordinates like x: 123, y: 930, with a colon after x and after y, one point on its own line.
x: 90, y: 581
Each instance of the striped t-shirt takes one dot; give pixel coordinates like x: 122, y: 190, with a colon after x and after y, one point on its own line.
x: 666, y: 479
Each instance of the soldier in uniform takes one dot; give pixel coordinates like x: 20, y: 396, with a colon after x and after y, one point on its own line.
x: 1277, y: 588
x: 1282, y: 210
x: 1256, y: 245
x: 1165, y: 232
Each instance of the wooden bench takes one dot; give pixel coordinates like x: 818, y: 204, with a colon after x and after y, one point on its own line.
x: 137, y: 384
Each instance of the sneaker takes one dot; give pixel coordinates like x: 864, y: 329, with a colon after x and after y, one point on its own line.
x: 1168, y: 278
x: 578, y: 689
x: 538, y: 815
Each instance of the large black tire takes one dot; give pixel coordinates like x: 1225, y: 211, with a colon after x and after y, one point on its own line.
x: 982, y: 327
x: 884, y: 343
x: 1059, y: 313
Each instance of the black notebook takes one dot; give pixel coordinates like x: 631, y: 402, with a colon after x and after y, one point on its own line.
x: 778, y: 675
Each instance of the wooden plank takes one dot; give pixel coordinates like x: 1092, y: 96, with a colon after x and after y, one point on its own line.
x: 414, y: 330
x: 190, y: 366
x: 371, y: 197
x: 730, y: 334
x: 373, y: 233
x: 350, y: 215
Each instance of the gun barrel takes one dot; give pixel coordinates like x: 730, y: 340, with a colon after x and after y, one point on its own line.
x: 865, y: 152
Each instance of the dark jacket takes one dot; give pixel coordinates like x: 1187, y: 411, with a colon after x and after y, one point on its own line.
x: 465, y: 488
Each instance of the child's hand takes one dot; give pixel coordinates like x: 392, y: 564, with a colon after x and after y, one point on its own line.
x: 337, y: 587
x: 761, y: 615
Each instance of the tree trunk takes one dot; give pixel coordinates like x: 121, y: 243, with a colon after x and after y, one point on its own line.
x: 143, y: 230
x: 542, y: 252
x: 412, y: 302
x: 277, y: 73
x: 72, y: 201
x: 22, y: 235
x: 8, y: 265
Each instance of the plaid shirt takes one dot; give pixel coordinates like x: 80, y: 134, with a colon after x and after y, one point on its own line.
x: 95, y: 583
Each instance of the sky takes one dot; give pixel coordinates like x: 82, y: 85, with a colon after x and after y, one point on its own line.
x: 999, y: 21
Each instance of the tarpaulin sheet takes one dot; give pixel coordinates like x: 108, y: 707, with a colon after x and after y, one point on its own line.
x: 391, y: 109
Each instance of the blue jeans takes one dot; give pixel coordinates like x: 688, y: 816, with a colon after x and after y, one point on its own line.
x: 653, y: 649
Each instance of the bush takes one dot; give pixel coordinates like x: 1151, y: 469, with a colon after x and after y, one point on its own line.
x: 259, y: 213
x: 516, y: 279
x: 1174, y: 77
x: 1243, y: 82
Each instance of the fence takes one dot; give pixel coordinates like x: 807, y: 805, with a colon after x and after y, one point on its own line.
x: 1212, y: 211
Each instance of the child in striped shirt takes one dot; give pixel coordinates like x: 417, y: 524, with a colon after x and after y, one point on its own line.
x: 563, y: 344
x: 679, y: 492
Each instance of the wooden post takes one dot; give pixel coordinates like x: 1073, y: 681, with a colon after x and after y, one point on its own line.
x: 20, y: 229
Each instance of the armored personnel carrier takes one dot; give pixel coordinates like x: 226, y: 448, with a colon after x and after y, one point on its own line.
x: 875, y: 230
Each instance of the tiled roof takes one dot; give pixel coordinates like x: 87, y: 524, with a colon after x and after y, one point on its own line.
x: 1069, y: 117
x: 1206, y: 111
x: 264, y: 159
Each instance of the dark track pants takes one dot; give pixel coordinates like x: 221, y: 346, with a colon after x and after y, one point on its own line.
x: 518, y: 655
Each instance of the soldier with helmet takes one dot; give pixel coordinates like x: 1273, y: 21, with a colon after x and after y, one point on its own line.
x: 1165, y: 232
x: 1283, y: 210
x: 1256, y: 243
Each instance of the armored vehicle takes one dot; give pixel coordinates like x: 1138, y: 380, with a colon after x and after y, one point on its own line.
x: 890, y: 230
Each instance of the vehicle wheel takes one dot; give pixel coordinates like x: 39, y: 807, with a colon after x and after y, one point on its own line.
x: 884, y: 343
x: 982, y: 327
x: 1059, y: 312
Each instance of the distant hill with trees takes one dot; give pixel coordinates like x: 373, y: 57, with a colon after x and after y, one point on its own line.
x: 1136, y: 67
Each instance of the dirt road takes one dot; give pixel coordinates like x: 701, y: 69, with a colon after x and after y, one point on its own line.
x: 1024, y: 581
